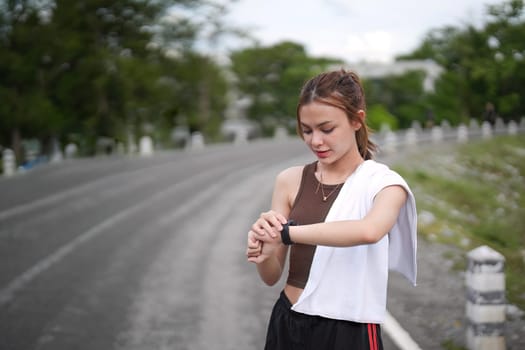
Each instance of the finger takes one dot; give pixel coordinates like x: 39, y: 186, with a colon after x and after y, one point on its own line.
x: 256, y: 260
x: 266, y: 238
x: 267, y: 225
x: 254, y: 245
x: 262, y: 228
x: 272, y: 232
x: 282, y: 219
x: 258, y: 234
x: 253, y: 254
x: 274, y: 219
x: 252, y: 239
x: 253, y: 251
x: 258, y: 229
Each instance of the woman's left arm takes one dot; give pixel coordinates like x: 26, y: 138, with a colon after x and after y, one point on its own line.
x: 374, y: 226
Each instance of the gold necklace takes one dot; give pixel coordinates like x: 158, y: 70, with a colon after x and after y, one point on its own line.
x: 320, y: 184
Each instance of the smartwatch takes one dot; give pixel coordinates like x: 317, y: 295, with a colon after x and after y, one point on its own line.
x: 285, y: 232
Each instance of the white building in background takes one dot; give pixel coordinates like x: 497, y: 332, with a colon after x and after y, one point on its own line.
x: 371, y: 70
x: 236, y: 125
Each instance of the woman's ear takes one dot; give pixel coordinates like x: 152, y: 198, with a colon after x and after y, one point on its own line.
x: 358, y: 124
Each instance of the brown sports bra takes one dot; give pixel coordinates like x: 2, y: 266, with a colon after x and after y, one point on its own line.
x: 308, y: 208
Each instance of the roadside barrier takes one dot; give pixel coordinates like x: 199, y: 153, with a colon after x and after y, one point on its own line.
x: 390, y: 141
x: 8, y: 162
x: 485, y: 307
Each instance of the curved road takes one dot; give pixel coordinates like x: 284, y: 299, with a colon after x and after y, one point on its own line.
x: 138, y: 253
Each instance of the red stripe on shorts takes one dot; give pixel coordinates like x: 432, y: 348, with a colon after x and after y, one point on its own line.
x: 372, y: 336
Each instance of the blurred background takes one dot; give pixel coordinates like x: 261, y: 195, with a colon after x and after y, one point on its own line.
x: 99, y: 75
x: 109, y: 109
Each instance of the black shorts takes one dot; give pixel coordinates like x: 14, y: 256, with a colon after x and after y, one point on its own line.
x: 290, y: 330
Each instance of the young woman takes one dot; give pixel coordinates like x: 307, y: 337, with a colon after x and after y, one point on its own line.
x: 346, y: 219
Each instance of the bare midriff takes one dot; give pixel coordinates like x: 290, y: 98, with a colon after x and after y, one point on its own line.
x: 293, y: 293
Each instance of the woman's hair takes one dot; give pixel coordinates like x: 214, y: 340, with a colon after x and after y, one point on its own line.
x: 341, y: 89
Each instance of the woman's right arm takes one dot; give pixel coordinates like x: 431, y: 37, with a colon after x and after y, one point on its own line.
x: 271, y: 261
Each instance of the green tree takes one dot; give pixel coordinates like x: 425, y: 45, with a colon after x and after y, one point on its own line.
x: 378, y: 116
x: 401, y: 95
x: 197, y: 97
x: 25, y: 107
x: 505, y: 31
x: 272, y: 77
x: 98, y: 43
x: 78, y: 70
x: 482, y: 65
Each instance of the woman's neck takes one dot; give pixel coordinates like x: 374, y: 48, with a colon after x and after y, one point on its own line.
x: 340, y: 170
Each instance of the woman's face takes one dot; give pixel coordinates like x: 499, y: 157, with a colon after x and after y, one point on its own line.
x: 328, y: 131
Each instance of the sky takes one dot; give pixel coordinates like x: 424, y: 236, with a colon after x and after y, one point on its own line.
x: 367, y: 30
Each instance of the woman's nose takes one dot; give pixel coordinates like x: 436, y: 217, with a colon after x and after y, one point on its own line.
x: 317, y: 138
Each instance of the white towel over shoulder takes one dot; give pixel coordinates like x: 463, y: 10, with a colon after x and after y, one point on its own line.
x: 351, y: 283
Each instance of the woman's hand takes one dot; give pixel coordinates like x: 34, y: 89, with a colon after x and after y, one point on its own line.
x: 269, y: 224
x: 259, y: 251
x: 254, y: 246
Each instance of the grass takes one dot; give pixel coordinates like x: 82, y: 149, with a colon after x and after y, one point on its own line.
x: 472, y: 195
x: 449, y: 345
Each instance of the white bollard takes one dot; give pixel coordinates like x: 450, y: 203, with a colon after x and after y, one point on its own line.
x: 437, y: 134
x: 71, y: 150
x: 486, y: 130
x: 280, y: 133
x: 499, y: 126
x: 411, y: 137
x: 9, y: 162
x: 512, y: 128
x: 197, y: 140
x: 416, y: 125
x: 445, y: 125
x: 485, y: 308
x: 462, y: 133
x: 390, y: 142
x: 145, y: 146
x: 56, y: 153
x: 240, y: 137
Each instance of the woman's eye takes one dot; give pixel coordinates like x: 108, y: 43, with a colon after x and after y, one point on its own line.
x: 307, y: 132
x: 327, y: 131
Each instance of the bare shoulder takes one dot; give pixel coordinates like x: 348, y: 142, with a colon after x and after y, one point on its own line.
x: 290, y: 176
x: 287, y: 186
x: 394, y: 195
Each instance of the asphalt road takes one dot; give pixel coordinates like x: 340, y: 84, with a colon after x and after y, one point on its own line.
x: 138, y: 253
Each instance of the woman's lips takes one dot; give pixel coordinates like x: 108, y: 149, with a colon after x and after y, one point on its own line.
x: 322, y: 154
